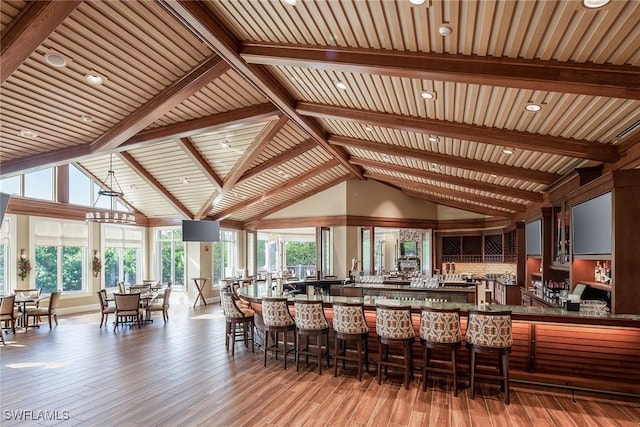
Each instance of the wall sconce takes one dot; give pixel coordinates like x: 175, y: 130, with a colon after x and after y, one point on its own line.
x: 23, y: 253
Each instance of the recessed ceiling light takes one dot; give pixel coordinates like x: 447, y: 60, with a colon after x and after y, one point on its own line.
x: 533, y: 107
x: 493, y: 175
x: 427, y: 95
x: 225, y: 144
x: 445, y: 30
x: 386, y: 158
x: 86, y: 118
x: 594, y: 4
x: 433, y: 138
x: 341, y: 85
x: 185, y: 180
x: 435, y: 167
x: 368, y: 128
x: 507, y: 151
x: 25, y: 133
x: 304, y: 184
x: 94, y: 79
x: 133, y: 186
x: 55, y: 60
x: 417, y: 2
x: 290, y: 2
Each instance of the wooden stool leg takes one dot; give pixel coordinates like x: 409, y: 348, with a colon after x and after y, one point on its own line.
x: 336, y: 353
x: 425, y: 364
x: 472, y: 373
x: 284, y: 344
x: 380, y: 358
x: 266, y: 344
x: 234, y: 326
x: 455, y: 371
x: 505, y: 368
x: 407, y: 363
x: 359, y: 350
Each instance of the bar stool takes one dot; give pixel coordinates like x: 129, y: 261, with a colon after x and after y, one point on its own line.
x: 237, y: 317
x: 350, y: 326
x: 394, y: 327
x: 311, y: 322
x: 490, y: 332
x: 277, y: 318
x: 440, y: 330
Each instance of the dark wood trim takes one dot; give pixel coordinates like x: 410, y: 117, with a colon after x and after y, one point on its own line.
x: 562, y: 146
x: 62, y: 183
x: 282, y: 158
x: 170, y: 97
x: 207, y: 206
x: 443, y: 159
x: 149, y: 179
x: 33, y: 25
x: 607, y: 80
x: 203, y: 22
x: 210, y: 123
x: 49, y: 158
x: 450, y: 179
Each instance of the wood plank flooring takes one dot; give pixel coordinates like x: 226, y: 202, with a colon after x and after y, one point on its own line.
x: 180, y: 374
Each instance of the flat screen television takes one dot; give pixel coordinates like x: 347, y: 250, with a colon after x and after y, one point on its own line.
x: 592, y: 225
x: 408, y: 249
x: 200, y: 231
x: 4, y: 203
x: 533, y: 237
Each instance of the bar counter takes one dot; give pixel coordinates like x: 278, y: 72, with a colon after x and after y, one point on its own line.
x: 552, y: 347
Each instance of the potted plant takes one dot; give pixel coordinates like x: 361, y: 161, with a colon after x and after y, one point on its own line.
x: 96, y: 265
x: 24, y: 267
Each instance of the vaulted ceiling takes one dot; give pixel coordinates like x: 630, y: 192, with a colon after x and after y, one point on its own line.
x: 232, y: 108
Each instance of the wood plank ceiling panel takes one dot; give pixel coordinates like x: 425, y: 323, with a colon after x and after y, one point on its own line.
x: 135, y: 46
x: 174, y: 170
x: 286, y: 139
x: 9, y: 9
x: 136, y: 191
x: 222, y: 159
x: 301, y: 190
x: 227, y: 93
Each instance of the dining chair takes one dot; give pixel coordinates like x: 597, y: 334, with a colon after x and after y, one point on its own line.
x: 139, y: 289
x: 162, y: 305
x: 105, y: 309
x: 128, y: 309
x: 7, y: 313
x: 49, y: 311
x: 121, y: 288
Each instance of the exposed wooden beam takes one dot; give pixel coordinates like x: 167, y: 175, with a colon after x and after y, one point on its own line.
x: 607, y: 80
x: 170, y: 97
x: 200, y: 125
x: 503, y: 137
x: 283, y: 205
x: 49, y: 158
x: 449, y: 179
x: 36, y: 21
x: 200, y: 162
x: 277, y: 190
x: 263, y: 139
x: 206, y: 206
x: 154, y: 183
x: 443, y: 159
x: 303, y: 147
x: 490, y: 201
x: 458, y: 205
x: 202, y: 21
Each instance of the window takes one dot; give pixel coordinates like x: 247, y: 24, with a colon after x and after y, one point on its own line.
x: 172, y: 256
x: 224, y: 256
x: 60, y: 261
x: 122, y: 254
x: 6, y: 269
x: 300, y: 258
x: 79, y: 187
x: 39, y: 184
x: 292, y: 251
x: 11, y: 185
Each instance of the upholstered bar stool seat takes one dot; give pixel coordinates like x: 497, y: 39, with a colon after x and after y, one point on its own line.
x: 311, y: 322
x: 277, y: 318
x: 240, y: 322
x: 490, y: 332
x: 350, y: 326
x: 395, y: 328
x: 440, y: 330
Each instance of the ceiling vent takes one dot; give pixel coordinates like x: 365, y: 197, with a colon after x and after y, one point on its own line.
x: 628, y: 130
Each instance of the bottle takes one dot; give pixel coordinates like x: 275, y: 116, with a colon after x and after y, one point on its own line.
x: 597, y: 272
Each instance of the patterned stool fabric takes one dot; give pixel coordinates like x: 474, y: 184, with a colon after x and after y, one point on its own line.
x: 277, y: 318
x: 350, y: 326
x: 440, y: 329
x: 311, y: 322
x: 240, y: 322
x: 490, y: 332
x: 394, y: 327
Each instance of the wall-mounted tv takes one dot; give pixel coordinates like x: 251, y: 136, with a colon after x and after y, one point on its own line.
x: 4, y: 203
x: 408, y: 249
x: 592, y: 225
x: 200, y: 231
x: 533, y: 237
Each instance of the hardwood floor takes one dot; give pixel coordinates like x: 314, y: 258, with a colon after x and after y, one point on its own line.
x: 181, y: 375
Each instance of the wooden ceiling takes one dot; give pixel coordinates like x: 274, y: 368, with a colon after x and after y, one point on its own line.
x: 230, y: 109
